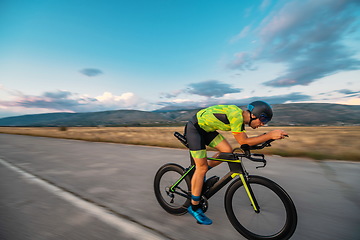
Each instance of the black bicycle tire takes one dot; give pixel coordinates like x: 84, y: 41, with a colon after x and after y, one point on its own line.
x: 291, y: 215
x: 164, y: 169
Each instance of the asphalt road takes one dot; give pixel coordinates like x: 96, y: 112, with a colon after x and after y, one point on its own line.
x: 68, y: 189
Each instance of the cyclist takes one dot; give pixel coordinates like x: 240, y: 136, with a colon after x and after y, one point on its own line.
x: 201, y: 131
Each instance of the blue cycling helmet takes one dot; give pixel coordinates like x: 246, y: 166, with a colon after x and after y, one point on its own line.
x: 261, y: 110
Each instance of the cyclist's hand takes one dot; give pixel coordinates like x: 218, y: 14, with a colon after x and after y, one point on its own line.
x: 277, y: 134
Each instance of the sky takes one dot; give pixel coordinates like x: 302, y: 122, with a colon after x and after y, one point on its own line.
x: 92, y: 55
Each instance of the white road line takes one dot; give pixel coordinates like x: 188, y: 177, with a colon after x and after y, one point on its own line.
x: 134, y: 230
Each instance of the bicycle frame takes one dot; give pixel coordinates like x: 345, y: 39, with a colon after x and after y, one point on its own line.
x: 236, y: 169
x: 279, y: 218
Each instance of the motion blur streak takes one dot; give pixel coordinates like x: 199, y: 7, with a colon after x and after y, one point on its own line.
x: 125, y: 226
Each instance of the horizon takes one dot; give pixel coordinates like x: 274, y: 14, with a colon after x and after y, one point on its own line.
x: 176, y: 108
x: 91, y: 56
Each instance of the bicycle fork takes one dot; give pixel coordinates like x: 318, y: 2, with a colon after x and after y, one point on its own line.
x: 249, y: 191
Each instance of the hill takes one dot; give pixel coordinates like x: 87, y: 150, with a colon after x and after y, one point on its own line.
x: 108, y: 118
x: 295, y: 114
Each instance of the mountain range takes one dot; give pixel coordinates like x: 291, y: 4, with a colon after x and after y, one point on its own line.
x: 294, y: 114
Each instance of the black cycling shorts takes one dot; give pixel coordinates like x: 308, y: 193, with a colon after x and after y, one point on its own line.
x: 198, y: 138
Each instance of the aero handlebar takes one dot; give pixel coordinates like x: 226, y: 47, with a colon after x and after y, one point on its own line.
x: 255, y: 157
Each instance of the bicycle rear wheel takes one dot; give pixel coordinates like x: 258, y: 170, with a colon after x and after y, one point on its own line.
x: 173, y: 202
x: 277, y: 218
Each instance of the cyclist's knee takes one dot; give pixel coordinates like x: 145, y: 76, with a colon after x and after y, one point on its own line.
x: 226, y: 150
x: 202, y: 168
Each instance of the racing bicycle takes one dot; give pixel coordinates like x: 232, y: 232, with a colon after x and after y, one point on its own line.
x: 257, y: 207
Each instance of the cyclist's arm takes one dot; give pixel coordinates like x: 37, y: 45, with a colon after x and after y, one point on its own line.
x: 242, y: 137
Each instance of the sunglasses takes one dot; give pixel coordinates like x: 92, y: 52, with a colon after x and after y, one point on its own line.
x: 264, y: 119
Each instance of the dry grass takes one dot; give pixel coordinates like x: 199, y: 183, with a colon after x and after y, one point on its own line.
x: 314, y: 142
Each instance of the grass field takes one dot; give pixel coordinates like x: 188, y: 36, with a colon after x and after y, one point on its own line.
x: 341, y: 143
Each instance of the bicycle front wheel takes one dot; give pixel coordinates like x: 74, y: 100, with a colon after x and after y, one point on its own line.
x: 177, y: 201
x: 277, y: 218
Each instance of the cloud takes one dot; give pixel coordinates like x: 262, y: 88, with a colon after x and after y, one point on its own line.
x: 264, y: 4
x: 348, y: 92
x: 243, y: 61
x: 211, y: 88
x: 126, y: 100
x: 91, y: 72
x: 58, y: 100
x: 66, y: 101
x: 276, y: 99
x: 171, y: 94
x: 241, y: 35
x: 308, y: 38
x: 57, y: 94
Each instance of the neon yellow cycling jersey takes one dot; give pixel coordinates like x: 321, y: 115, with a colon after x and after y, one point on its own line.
x: 221, y: 117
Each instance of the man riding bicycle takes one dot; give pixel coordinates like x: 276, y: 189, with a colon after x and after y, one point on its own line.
x: 201, y: 130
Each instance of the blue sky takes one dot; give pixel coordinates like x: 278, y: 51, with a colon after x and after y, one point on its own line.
x: 86, y: 55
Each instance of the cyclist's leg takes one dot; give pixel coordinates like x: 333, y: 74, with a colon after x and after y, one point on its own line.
x: 196, y: 141
x: 197, y: 180
x: 197, y: 148
x: 222, y: 145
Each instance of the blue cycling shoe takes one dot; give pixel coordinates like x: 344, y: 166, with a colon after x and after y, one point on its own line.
x: 200, y: 216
